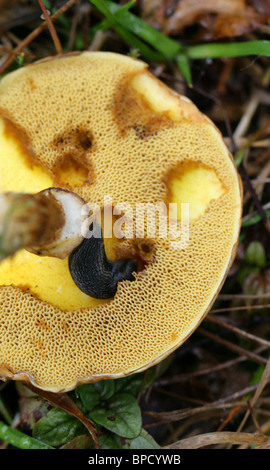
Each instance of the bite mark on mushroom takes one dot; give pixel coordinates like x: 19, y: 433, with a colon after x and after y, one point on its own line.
x: 162, y: 99
x: 193, y: 183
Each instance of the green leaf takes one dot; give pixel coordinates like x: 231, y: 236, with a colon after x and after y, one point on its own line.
x: 255, y: 219
x: 244, y: 272
x: 143, y: 441
x: 255, y: 254
x: 92, y: 394
x: 19, y: 439
x: 57, y: 428
x: 121, y: 415
x: 131, y: 384
x: 79, y: 442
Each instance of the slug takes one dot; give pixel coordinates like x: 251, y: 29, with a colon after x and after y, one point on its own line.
x: 94, y: 274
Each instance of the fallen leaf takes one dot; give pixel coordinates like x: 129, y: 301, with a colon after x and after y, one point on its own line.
x: 214, y: 18
x: 202, y: 440
x: 188, y: 11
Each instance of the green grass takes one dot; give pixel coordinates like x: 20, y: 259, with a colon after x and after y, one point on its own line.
x: 155, y: 46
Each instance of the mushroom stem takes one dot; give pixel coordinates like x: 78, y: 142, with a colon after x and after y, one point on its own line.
x: 27, y: 220
x: 47, y: 223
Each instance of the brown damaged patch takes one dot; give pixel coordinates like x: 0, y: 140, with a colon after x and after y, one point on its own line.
x: 77, y: 140
x: 42, y: 324
x: 131, y: 111
x: 73, y: 168
x: 178, y: 107
x: 38, y: 344
x: 19, y: 135
x: 128, y: 248
x: 70, y: 173
x: 141, y: 250
x: 31, y: 84
x: 65, y: 326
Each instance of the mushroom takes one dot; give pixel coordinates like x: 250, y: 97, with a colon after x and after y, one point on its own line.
x: 101, y: 126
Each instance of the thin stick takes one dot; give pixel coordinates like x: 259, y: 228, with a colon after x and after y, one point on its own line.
x: 248, y: 216
x: 51, y: 27
x: 242, y: 141
x: 230, y: 416
x: 178, y: 415
x: 234, y: 347
x: 35, y: 33
x: 209, y: 370
x: 244, y: 123
x: 243, y: 296
x: 254, y: 419
x: 6, y: 50
x: 238, y: 331
x: 179, y: 397
x: 223, y: 404
x: 264, y: 380
x: 254, y: 197
x: 234, y: 309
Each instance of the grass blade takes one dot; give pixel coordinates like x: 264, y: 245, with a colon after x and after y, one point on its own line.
x: 233, y: 49
x: 129, y: 37
x: 166, y: 46
x: 182, y: 62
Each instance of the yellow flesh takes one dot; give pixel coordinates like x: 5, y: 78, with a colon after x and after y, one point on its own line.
x: 161, y: 99
x: 16, y: 174
x: 157, y: 96
x: 198, y: 187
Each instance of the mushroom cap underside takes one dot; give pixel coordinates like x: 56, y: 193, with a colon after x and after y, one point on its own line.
x: 100, y: 125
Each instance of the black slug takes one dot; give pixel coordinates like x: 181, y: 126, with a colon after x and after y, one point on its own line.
x: 94, y: 274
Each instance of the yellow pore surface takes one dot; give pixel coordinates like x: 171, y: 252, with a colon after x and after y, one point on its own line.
x: 129, y: 137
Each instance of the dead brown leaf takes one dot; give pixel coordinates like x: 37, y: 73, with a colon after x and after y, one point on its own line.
x: 237, y: 25
x: 215, y: 18
x: 189, y: 11
x: 202, y: 440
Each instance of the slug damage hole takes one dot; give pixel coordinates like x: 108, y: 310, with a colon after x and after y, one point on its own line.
x: 72, y: 168
x: 70, y: 173
x: 195, y: 184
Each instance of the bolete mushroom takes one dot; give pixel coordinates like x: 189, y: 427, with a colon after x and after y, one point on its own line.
x: 103, y: 127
